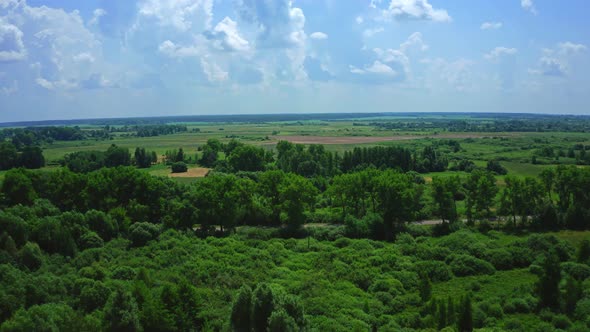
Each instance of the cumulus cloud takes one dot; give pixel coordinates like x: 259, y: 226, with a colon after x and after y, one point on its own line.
x: 172, y: 50
x: 12, y: 47
x: 213, y: 71
x: 318, y: 35
x: 414, y: 41
x: 415, y: 10
x: 62, y: 51
x: 568, y: 48
x: 279, y: 23
x: 227, y: 37
x: 528, y: 5
x: 178, y: 14
x: 96, y: 15
x: 491, y: 25
x: 499, y: 52
x: 556, y: 61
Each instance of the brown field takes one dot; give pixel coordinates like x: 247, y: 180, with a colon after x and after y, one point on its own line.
x: 198, y: 172
x: 368, y: 139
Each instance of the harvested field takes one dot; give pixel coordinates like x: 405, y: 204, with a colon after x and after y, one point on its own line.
x: 197, y: 172
x: 368, y: 139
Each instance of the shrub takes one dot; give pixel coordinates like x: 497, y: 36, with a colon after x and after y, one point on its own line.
x: 520, y: 305
x: 30, y: 256
x: 435, y: 270
x: 465, y: 265
x: 90, y: 240
x: 561, y: 322
x: 179, y: 167
x: 576, y: 270
x: 124, y: 273
x: 501, y: 259
x: 141, y: 233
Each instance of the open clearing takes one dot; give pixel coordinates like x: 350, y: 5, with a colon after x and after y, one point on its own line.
x: 197, y: 172
x: 367, y: 139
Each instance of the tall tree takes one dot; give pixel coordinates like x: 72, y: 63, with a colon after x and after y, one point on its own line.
x: 465, y: 320
x: 548, y: 284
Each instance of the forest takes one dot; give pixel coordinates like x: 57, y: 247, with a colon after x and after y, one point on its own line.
x: 294, y: 237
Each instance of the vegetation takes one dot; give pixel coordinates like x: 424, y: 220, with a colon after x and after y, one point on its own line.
x: 296, y: 237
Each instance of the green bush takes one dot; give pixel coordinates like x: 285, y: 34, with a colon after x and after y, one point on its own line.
x: 179, y: 167
x: 501, y: 259
x: 465, y: 265
x: 576, y: 270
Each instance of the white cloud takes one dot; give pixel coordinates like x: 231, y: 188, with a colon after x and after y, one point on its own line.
x: 228, y: 36
x: 380, y: 68
x: 318, y: 36
x: 172, y: 50
x: 414, y: 41
x: 368, y: 33
x: 12, y: 47
x: 415, y: 9
x: 568, y: 48
x: 491, y: 25
x: 179, y: 14
x: 499, y: 52
x: 96, y: 15
x: 528, y: 5
x: 213, y: 71
x: 556, y: 61
x: 359, y: 20
x: 549, y: 66
x: 84, y: 57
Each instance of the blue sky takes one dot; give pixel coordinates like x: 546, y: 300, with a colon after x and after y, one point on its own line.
x: 64, y: 59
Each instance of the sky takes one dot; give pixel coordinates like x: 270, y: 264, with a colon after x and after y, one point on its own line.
x: 65, y: 59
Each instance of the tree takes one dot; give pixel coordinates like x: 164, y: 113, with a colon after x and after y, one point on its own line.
x: 247, y: 158
x: 494, y: 166
x: 121, y: 312
x: 573, y: 293
x: 263, y: 304
x: 481, y: 190
x: 280, y: 321
x: 444, y: 190
x: 116, y: 156
x: 399, y: 200
x: 8, y: 156
x: 548, y: 284
x: 465, y: 321
x: 30, y: 256
x: 425, y: 288
x: 210, y: 153
x: 179, y: 167
x: 17, y: 187
x: 32, y: 157
x: 241, y: 310
x: 583, y: 252
x: 297, y: 193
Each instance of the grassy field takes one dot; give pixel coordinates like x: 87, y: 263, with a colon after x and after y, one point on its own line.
x: 515, y: 150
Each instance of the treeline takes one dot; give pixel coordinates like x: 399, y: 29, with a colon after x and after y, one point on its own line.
x: 21, y: 137
x: 315, y: 161
x: 556, y: 124
x: 27, y: 156
x: 371, y: 203
x: 148, y: 130
x: 114, y: 156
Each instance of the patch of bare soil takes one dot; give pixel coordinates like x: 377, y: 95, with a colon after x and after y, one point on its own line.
x: 198, y: 172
